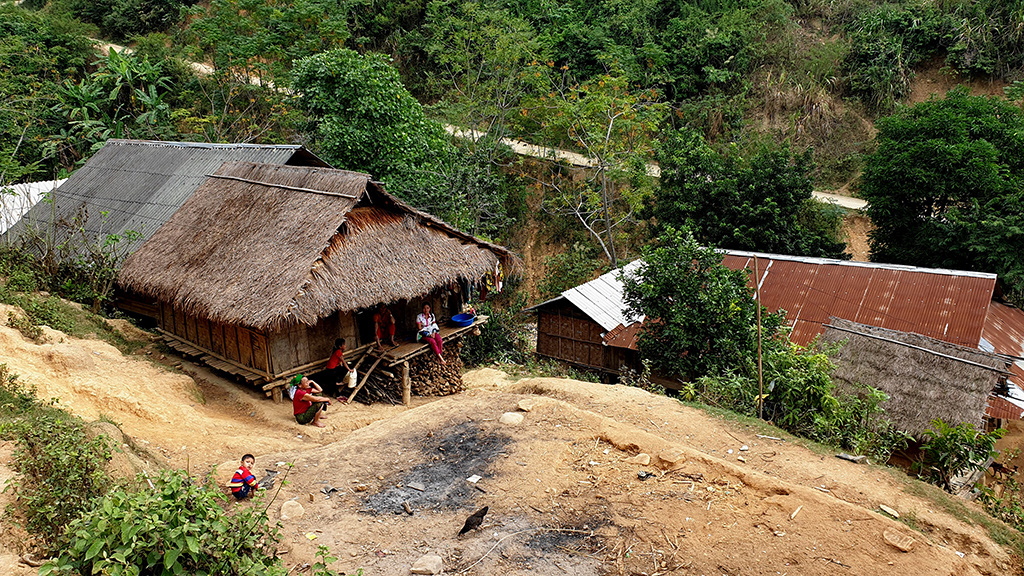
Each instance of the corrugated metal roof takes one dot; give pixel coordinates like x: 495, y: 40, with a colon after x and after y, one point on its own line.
x: 601, y: 298
x: 1003, y: 408
x: 948, y: 305
x: 136, y: 185
x: 1004, y: 334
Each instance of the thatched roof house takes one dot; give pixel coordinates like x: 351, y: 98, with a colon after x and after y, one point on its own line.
x: 265, y: 265
x: 136, y: 185
x: 924, y: 378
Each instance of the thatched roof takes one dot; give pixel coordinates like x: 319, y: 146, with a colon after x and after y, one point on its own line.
x: 136, y: 185
x: 925, y: 378
x: 269, y: 246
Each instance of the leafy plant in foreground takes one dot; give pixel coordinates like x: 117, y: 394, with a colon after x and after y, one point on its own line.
x: 61, y: 468
x: 180, y: 527
x: 951, y: 450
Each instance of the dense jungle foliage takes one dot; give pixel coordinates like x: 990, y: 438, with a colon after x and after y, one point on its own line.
x: 732, y: 97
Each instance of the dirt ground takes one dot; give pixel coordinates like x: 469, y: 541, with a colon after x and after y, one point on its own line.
x: 563, y: 486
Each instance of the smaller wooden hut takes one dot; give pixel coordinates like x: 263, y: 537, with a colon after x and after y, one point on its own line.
x: 924, y: 378
x: 266, y: 265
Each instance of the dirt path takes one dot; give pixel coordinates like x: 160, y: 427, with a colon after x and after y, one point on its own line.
x: 563, y: 487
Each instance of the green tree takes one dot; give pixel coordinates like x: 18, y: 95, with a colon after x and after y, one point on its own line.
x: 123, y: 98
x: 945, y: 187
x: 763, y: 203
x: 39, y: 51
x: 612, y: 125
x: 951, y: 450
x: 699, y: 314
x: 362, y: 118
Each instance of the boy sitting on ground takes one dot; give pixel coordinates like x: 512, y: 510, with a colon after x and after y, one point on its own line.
x: 243, y: 483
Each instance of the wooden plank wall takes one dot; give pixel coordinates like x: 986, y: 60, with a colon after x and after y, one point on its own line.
x: 564, y: 333
x: 246, y: 347
x: 299, y: 345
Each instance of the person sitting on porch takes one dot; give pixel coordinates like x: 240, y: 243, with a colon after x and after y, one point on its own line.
x: 308, y: 407
x: 384, y: 323
x: 428, y: 330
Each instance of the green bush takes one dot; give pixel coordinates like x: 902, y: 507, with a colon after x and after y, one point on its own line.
x: 503, y: 338
x: 952, y: 450
x: 61, y: 469
x: 570, y: 268
x: 180, y: 527
x: 799, y: 397
x: 886, y: 43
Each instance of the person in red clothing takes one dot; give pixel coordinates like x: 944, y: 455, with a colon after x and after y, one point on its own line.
x: 308, y: 407
x: 243, y: 483
x: 384, y: 323
x: 333, y: 375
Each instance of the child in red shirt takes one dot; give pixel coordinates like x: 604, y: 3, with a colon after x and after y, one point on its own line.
x: 243, y: 483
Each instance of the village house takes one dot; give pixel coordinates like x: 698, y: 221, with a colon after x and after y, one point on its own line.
x: 587, y: 326
x: 266, y: 265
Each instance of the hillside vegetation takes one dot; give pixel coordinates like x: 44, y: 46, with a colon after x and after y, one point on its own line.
x: 614, y: 81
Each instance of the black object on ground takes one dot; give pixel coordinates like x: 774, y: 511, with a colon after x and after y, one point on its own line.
x: 474, y: 521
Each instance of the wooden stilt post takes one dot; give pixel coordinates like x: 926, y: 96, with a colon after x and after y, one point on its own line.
x: 277, y: 394
x: 406, y: 384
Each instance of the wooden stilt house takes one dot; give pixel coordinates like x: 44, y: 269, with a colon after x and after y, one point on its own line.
x: 266, y: 265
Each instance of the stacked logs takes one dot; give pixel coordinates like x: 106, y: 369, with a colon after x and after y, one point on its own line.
x: 428, y: 377
x: 384, y: 385
x: 431, y: 378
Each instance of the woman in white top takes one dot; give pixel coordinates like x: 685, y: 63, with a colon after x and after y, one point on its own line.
x: 428, y: 330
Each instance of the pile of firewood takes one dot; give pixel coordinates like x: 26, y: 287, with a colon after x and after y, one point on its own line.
x: 431, y: 378
x: 427, y: 376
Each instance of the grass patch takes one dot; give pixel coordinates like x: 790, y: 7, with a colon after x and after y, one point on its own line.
x: 67, y: 317
x: 999, y: 532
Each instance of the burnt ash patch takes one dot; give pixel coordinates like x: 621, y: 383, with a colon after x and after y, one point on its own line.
x: 450, y: 457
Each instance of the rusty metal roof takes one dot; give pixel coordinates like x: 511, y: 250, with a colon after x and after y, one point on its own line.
x: 1003, y: 408
x: 948, y: 305
x: 623, y: 336
x: 1004, y: 334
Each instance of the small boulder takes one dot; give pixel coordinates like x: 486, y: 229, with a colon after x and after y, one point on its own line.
x: 890, y: 511
x: 291, y: 510
x: 429, y: 564
x: 527, y: 404
x: 641, y: 459
x: 511, y: 418
x: 671, y: 458
x: 901, y: 541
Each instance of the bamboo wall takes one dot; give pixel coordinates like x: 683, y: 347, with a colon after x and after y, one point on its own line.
x: 267, y: 354
x: 245, y: 347
x: 299, y: 345
x: 564, y: 333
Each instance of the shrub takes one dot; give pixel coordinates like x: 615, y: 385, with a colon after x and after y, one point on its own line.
x: 951, y: 450
x: 502, y: 339
x: 179, y: 527
x: 799, y: 397
x: 568, y: 269
x: 61, y: 469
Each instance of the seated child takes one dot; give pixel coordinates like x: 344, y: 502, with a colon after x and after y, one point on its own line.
x: 243, y: 483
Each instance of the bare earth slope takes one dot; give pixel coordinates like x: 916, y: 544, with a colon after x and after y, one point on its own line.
x: 562, y: 486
